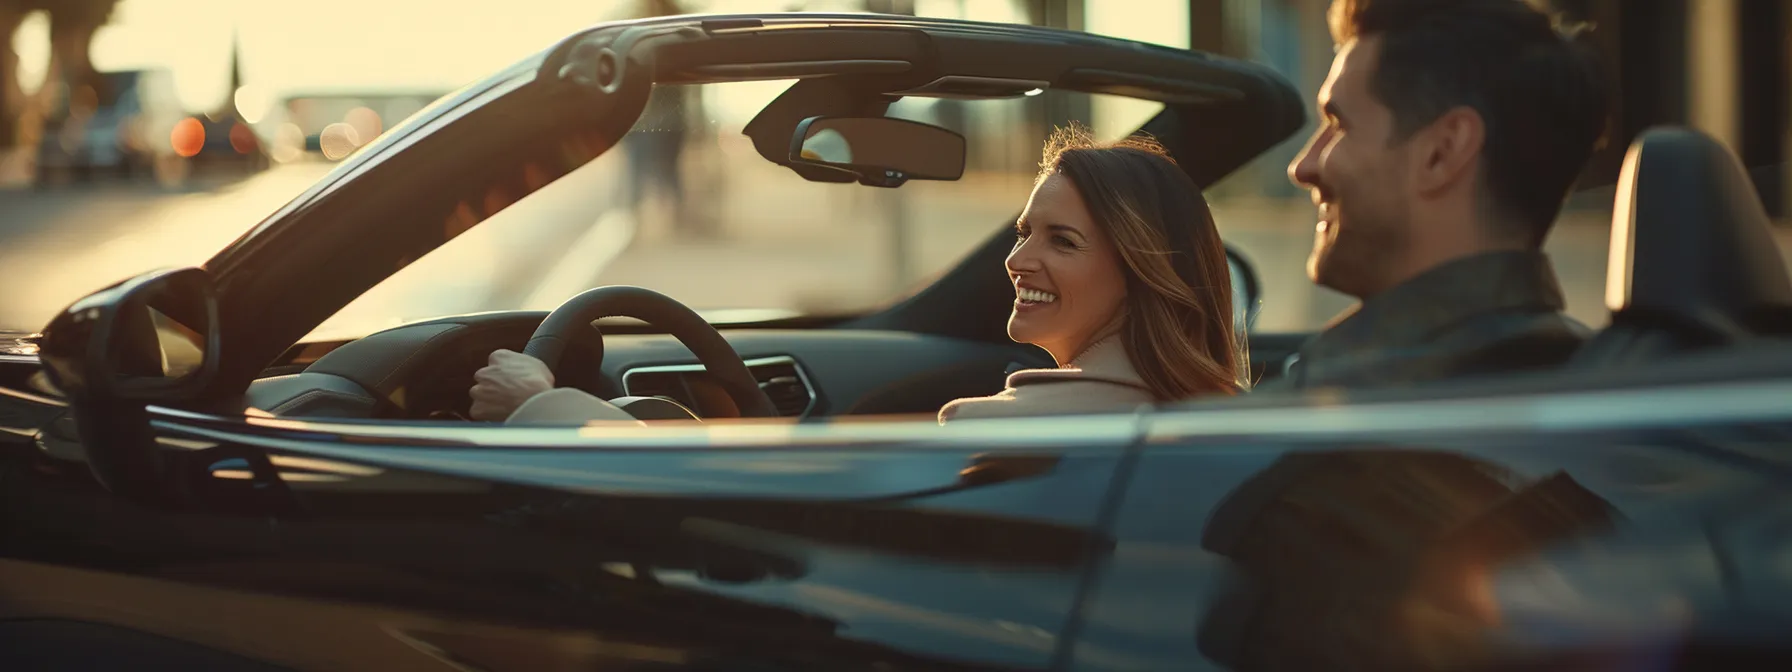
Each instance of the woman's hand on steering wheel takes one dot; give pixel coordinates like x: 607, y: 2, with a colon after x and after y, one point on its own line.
x: 574, y: 320
x: 508, y: 379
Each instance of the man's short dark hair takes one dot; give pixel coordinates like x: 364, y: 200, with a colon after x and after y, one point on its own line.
x: 1540, y: 95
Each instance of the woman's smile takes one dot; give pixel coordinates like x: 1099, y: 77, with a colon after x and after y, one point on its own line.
x: 1031, y: 298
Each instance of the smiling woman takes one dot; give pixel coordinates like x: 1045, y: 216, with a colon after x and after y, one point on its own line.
x: 1120, y: 274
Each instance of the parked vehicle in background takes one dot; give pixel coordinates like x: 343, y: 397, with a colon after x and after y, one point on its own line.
x: 120, y: 122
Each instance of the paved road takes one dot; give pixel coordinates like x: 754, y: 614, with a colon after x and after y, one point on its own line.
x: 59, y: 243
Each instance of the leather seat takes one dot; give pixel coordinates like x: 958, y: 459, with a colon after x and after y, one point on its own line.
x: 1693, y: 260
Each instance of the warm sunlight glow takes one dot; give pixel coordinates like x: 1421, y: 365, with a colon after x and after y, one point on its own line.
x: 32, y: 44
x: 1618, y: 263
x: 332, y: 44
x: 289, y: 143
x: 1113, y: 116
x: 188, y: 137
x: 366, y: 123
x: 254, y: 103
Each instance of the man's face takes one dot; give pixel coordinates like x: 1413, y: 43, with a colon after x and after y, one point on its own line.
x: 1357, y: 176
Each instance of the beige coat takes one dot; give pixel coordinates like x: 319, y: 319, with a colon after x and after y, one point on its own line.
x: 1101, y: 379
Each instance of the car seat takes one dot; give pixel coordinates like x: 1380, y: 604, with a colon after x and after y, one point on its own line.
x: 1693, y: 263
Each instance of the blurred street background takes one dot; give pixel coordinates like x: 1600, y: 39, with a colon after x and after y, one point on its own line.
x: 137, y: 134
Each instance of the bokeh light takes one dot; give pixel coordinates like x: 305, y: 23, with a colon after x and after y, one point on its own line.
x: 242, y: 139
x: 31, y: 42
x: 83, y: 100
x: 188, y: 137
x: 289, y: 143
x: 366, y: 122
x: 253, y: 102
x: 338, y: 140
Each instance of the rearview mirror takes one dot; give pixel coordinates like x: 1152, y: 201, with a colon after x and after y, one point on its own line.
x: 879, y: 151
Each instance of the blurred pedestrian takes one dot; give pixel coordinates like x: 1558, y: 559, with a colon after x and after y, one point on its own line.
x: 657, y: 144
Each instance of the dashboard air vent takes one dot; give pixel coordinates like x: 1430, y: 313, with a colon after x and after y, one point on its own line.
x: 664, y: 384
x: 785, y: 385
x: 780, y: 377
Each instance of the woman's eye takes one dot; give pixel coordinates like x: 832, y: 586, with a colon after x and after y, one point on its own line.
x: 1064, y: 242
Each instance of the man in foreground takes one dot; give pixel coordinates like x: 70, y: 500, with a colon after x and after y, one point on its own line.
x: 1451, y: 132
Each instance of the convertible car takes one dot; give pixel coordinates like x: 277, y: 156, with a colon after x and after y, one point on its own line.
x: 187, y: 481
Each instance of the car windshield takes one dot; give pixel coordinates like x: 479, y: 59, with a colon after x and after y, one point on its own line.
x: 684, y: 205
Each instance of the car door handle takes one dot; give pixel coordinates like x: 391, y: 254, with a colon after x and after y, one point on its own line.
x: 990, y: 468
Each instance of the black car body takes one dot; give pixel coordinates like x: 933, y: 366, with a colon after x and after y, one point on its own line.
x: 271, y: 507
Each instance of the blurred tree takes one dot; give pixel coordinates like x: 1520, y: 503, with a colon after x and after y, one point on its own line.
x: 72, y: 26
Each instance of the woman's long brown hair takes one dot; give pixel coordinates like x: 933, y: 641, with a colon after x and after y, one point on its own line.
x: 1178, y: 324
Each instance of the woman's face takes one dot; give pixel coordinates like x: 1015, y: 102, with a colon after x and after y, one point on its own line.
x: 1069, y: 286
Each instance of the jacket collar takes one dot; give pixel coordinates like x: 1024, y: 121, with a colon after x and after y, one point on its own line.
x: 1413, y: 312
x: 1104, y: 362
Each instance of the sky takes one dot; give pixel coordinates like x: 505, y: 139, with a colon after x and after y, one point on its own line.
x: 430, y: 44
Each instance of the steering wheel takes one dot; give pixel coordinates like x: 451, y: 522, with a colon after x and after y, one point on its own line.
x: 574, y: 317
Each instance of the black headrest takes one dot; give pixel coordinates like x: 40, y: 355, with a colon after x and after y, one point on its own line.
x: 1691, y: 240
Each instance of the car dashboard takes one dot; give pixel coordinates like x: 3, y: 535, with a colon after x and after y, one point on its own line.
x: 424, y: 370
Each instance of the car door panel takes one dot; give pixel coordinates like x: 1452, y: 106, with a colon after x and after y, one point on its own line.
x: 1194, y: 582
x: 1143, y: 612
x: 839, y: 545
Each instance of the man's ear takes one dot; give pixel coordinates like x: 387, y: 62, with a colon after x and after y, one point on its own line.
x: 1449, y: 149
